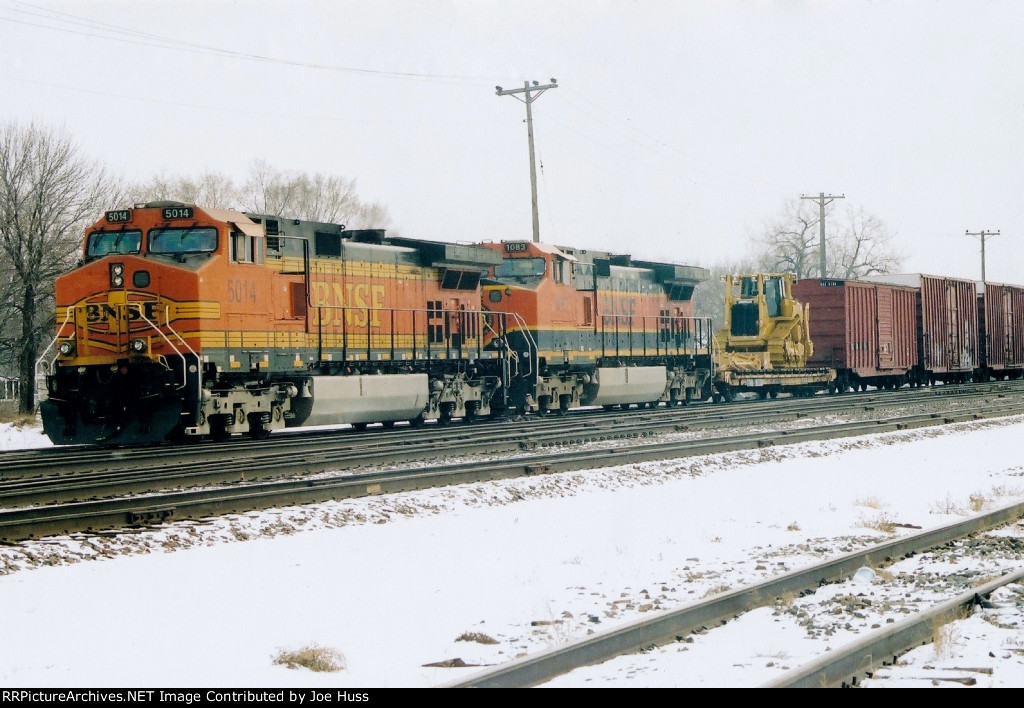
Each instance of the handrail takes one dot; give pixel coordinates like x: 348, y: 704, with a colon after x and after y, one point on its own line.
x: 167, y: 318
x: 67, y: 316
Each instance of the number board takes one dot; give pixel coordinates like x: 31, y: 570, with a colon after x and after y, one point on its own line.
x: 516, y: 247
x: 177, y: 213
x: 120, y: 216
x: 831, y: 283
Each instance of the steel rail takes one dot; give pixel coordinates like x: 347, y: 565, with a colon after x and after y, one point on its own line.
x: 673, y: 625
x: 70, y: 460
x: 19, y: 524
x: 130, y: 474
x: 843, y: 667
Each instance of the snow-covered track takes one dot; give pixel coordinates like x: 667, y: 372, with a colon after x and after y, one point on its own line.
x: 676, y: 624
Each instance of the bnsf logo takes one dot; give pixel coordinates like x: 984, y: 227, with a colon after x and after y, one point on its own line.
x: 104, y: 312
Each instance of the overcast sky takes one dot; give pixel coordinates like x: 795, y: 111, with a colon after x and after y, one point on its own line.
x: 676, y: 131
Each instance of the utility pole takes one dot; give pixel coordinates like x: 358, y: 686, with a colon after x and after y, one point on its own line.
x: 532, y: 93
x: 981, y: 236
x: 821, y: 223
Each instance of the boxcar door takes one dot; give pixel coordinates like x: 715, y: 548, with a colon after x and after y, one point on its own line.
x: 886, y: 328
x: 953, y: 324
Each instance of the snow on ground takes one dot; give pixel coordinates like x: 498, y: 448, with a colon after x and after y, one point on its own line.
x: 396, y: 582
x: 22, y: 437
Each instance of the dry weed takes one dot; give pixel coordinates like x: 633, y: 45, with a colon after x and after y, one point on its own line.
x: 944, y: 640
x: 869, y: 502
x: 478, y: 637
x: 18, y: 420
x: 313, y: 657
x: 882, y: 523
x: 947, y: 506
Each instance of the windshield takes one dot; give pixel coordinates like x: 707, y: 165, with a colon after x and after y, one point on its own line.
x: 188, y: 240
x: 519, y: 268
x: 103, y: 242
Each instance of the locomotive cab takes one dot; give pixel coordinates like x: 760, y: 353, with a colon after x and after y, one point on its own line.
x: 609, y: 331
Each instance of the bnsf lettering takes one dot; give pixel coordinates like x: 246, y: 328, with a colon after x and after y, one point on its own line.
x: 622, y: 306
x: 104, y: 313
x: 355, y: 296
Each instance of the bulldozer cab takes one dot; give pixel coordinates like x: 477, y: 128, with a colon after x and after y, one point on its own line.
x: 762, y: 317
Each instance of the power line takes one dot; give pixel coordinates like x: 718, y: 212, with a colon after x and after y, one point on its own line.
x: 129, y: 36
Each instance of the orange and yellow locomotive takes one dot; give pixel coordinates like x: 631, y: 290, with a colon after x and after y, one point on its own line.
x: 183, y: 321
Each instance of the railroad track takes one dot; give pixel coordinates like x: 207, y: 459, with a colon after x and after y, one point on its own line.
x: 432, y: 440
x: 842, y: 667
x: 145, y: 509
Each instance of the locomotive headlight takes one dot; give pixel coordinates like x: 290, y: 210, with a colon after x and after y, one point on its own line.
x: 66, y: 348
x: 116, y: 275
x: 137, y: 345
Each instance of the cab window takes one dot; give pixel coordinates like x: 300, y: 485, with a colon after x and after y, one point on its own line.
x: 100, y: 243
x: 519, y: 268
x: 187, y: 240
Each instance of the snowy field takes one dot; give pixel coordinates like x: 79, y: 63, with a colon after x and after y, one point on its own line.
x: 482, y: 573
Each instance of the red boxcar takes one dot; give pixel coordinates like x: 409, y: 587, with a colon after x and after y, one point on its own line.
x: 866, y: 331
x: 1003, y: 333
x: 949, y: 338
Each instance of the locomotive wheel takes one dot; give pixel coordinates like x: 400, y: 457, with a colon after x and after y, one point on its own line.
x: 388, y: 424
x: 471, y: 412
x: 417, y: 421
x: 445, y: 417
x: 218, y: 428
x: 564, y: 401
x: 359, y: 426
x: 257, y: 430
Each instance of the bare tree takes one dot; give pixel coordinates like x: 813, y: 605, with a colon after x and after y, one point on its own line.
x: 48, y: 194
x: 268, y: 190
x: 210, y: 189
x: 315, y: 197
x: 790, y: 242
x: 856, y: 243
x: 864, y: 247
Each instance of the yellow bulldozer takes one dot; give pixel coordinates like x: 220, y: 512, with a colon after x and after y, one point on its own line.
x: 764, y: 344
